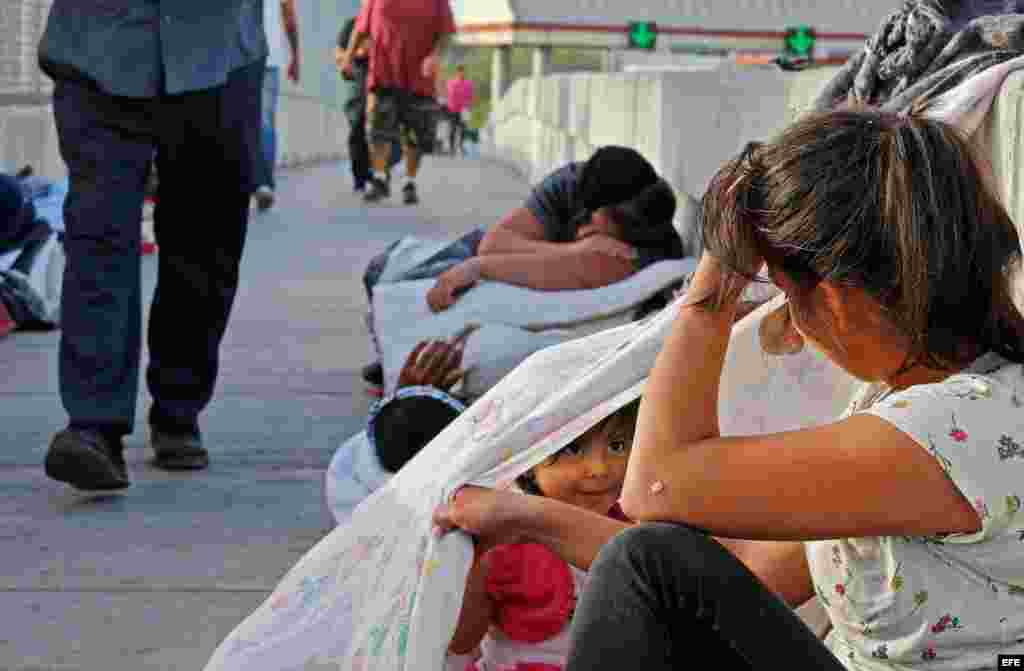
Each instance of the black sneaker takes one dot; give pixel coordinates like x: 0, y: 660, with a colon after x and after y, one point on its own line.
x: 409, y: 194
x: 178, y: 452
x: 373, y: 373
x: 87, y: 460
x: 377, y: 190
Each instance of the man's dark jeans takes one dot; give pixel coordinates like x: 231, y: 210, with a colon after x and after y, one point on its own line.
x: 206, y: 144
x: 665, y: 597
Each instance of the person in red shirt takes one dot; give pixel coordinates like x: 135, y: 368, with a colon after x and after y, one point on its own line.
x: 405, y: 38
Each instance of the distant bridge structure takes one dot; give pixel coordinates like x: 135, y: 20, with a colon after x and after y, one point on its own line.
x: 687, y: 26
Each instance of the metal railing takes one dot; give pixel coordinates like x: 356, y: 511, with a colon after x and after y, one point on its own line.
x: 21, y: 25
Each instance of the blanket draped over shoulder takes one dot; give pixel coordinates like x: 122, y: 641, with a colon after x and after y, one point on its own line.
x: 924, y: 49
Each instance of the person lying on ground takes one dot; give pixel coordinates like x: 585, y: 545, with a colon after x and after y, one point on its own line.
x: 399, y: 426
x: 423, y: 405
x: 586, y: 225
x: 904, y: 516
x: 519, y: 596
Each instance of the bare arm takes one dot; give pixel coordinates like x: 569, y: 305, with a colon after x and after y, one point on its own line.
x: 858, y: 477
x: 358, y: 41
x: 477, y: 610
x: 519, y: 232
x: 564, y: 268
x: 574, y: 534
x: 291, y: 25
x: 577, y: 536
x: 584, y: 264
x: 291, y: 29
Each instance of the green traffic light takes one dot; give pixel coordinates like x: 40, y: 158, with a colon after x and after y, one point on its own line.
x: 643, y: 34
x: 800, y: 41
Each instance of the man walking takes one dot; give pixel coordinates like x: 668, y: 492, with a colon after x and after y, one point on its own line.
x: 183, y: 80
x: 279, y: 19
x: 406, y: 39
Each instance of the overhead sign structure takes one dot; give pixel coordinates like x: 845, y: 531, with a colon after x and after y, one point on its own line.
x: 643, y: 34
x: 800, y: 42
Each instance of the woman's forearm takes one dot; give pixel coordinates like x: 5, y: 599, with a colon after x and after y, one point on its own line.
x: 573, y: 533
x: 680, y: 402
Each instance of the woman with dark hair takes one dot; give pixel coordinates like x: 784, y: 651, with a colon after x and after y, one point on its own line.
x: 904, y: 517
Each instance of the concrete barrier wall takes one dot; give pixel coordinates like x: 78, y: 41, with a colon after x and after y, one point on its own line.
x: 309, y: 131
x: 686, y: 123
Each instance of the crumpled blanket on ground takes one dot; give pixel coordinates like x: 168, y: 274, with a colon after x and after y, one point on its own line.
x: 381, y: 592
x: 924, y: 49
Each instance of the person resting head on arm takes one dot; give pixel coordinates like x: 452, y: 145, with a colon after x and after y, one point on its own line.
x: 586, y: 225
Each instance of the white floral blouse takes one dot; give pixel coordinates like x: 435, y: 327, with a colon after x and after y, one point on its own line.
x: 951, y: 602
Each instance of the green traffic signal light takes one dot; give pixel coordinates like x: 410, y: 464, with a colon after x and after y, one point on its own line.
x: 643, y: 34
x: 800, y: 41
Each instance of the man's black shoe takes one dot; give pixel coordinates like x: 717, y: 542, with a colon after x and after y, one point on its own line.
x: 179, y: 451
x: 87, y: 460
x: 409, y: 193
x: 377, y: 189
x: 373, y: 373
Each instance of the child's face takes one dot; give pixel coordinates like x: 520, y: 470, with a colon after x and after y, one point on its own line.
x: 589, y: 473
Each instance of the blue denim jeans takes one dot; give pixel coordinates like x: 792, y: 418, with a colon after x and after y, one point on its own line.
x: 268, y: 131
x: 458, y: 251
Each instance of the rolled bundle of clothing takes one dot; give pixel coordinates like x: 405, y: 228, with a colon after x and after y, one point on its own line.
x: 926, y: 48
x: 31, y: 261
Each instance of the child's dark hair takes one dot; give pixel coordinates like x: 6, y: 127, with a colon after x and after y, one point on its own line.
x: 404, y: 426
x: 625, y: 415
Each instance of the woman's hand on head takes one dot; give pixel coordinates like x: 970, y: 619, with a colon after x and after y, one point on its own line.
x: 711, y: 276
x: 452, y: 283
x: 490, y: 515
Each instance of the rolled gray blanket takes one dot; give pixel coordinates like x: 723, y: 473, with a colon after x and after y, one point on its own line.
x: 925, y: 48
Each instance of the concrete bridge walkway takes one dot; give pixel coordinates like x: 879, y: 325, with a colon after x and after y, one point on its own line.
x: 155, y: 577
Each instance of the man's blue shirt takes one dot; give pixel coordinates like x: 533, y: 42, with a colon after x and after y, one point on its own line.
x: 141, y: 48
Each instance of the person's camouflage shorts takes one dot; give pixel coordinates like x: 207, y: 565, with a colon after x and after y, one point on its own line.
x: 398, y: 115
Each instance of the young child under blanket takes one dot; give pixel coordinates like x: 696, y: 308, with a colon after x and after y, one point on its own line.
x: 520, y: 597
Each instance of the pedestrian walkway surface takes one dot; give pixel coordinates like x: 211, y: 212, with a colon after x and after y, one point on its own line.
x: 155, y: 577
